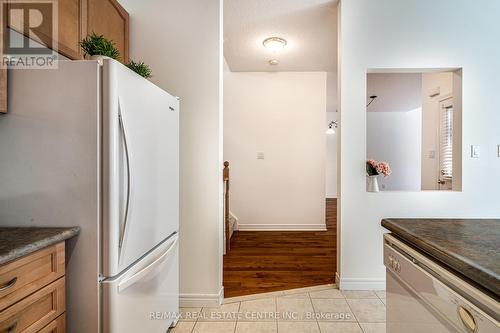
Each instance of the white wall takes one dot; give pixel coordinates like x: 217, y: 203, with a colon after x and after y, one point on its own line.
x: 414, y: 34
x: 283, y: 116
x: 181, y: 40
x: 331, y: 157
x: 331, y: 92
x: 394, y: 127
x: 331, y: 143
x: 396, y: 138
x: 396, y: 92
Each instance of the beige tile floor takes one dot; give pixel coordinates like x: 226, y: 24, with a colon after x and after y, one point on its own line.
x: 322, y: 309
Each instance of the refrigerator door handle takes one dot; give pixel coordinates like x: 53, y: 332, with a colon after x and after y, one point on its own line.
x: 123, y: 226
x: 146, y: 270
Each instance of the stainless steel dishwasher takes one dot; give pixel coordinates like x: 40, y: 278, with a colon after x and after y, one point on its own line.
x: 424, y: 297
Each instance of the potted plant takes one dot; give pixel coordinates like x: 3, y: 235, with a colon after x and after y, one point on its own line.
x: 97, y: 47
x: 140, y: 68
x: 373, y: 170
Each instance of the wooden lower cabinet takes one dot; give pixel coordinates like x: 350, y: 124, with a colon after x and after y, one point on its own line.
x: 39, y: 279
x: 24, y: 276
x: 57, y: 326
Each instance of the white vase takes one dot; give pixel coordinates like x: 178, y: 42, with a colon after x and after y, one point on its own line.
x: 373, y: 184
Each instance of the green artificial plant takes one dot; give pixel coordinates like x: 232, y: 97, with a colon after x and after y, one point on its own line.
x: 95, y: 44
x: 140, y: 68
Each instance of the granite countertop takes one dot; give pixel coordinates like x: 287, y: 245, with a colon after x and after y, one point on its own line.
x: 470, y: 247
x: 18, y: 242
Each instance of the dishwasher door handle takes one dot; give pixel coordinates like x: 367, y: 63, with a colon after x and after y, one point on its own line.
x: 467, y: 319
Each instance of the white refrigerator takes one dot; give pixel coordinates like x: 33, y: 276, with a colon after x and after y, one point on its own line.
x: 92, y: 144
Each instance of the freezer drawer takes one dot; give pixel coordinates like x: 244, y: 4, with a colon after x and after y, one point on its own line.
x: 145, y: 297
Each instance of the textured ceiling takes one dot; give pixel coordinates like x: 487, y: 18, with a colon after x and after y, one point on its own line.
x: 309, y: 26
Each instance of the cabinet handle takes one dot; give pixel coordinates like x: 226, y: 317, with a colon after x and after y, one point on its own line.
x: 8, y: 285
x: 467, y: 319
x: 12, y: 328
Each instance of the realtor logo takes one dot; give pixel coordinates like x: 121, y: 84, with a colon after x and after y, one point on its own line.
x: 29, y: 30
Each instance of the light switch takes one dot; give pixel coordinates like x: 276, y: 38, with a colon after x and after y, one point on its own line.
x: 260, y: 155
x: 498, y: 151
x: 475, y: 151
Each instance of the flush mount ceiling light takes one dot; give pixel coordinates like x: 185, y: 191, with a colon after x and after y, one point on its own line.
x: 274, y: 62
x: 274, y: 44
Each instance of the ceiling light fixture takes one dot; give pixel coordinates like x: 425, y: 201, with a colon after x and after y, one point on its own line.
x: 274, y: 44
x: 274, y: 62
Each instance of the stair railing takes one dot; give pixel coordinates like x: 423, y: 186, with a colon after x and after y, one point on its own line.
x: 227, y: 224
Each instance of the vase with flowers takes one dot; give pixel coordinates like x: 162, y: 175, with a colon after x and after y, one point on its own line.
x: 373, y: 170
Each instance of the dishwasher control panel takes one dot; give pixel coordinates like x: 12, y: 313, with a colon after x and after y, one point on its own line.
x: 393, y: 263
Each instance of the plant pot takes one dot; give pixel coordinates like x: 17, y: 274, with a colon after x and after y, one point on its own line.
x: 373, y: 184
x: 99, y: 58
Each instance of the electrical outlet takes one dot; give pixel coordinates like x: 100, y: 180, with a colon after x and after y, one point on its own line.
x: 260, y: 155
x: 475, y: 151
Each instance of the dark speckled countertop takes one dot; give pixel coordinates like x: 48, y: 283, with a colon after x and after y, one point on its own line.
x: 18, y: 242
x: 470, y: 247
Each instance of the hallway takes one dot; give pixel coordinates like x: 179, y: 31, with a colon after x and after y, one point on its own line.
x: 266, y: 261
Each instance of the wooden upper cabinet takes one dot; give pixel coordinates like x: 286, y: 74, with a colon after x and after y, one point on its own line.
x: 109, y: 18
x: 79, y: 18
x: 71, y: 27
x: 76, y: 20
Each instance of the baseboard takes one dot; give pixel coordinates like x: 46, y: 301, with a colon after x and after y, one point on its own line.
x: 201, y: 300
x: 281, y: 227
x: 361, y: 284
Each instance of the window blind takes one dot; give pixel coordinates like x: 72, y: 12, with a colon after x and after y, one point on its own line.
x: 446, y: 142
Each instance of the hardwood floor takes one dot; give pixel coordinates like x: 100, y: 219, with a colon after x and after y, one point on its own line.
x: 264, y: 261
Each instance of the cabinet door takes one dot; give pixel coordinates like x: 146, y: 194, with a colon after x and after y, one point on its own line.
x: 71, y: 26
x: 109, y: 18
x: 34, y: 312
x: 26, y: 275
x: 56, y: 326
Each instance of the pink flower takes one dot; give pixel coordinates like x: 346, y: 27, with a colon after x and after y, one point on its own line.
x: 383, y: 168
x: 374, y: 168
